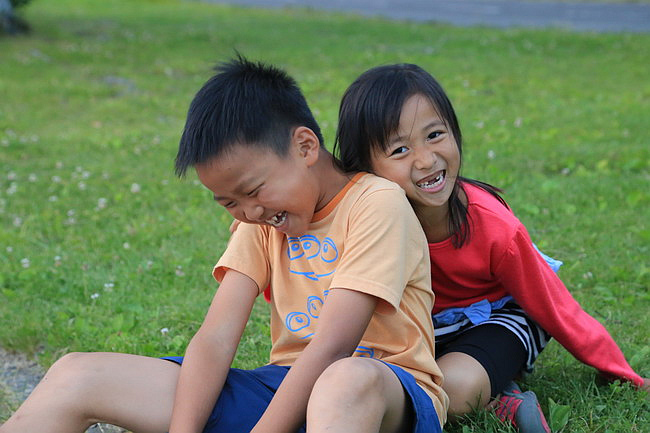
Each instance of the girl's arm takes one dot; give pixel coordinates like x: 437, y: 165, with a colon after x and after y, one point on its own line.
x: 544, y: 297
x: 210, y: 353
x: 343, y: 321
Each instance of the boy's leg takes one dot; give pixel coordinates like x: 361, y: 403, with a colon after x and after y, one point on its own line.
x: 360, y: 395
x: 80, y: 389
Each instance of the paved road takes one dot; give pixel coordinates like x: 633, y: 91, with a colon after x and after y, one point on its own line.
x: 597, y: 17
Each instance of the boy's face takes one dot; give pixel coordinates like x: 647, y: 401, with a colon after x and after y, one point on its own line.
x: 259, y: 187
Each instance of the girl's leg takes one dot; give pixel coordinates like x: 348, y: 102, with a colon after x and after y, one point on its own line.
x: 478, y: 364
x: 466, y: 383
x: 80, y: 389
x: 360, y: 395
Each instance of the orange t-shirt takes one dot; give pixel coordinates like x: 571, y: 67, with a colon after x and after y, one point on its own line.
x: 366, y: 239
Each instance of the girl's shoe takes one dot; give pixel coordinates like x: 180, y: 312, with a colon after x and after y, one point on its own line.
x: 521, y: 409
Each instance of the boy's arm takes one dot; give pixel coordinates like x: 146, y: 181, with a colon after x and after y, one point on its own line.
x: 342, y: 322
x: 211, y: 351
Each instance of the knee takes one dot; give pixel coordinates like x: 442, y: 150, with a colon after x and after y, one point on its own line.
x: 346, y: 382
x: 466, y: 391
x: 72, y: 374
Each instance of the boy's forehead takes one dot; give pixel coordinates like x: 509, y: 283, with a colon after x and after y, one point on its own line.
x: 235, y: 170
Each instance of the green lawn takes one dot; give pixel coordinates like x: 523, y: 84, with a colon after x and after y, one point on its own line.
x: 101, y: 248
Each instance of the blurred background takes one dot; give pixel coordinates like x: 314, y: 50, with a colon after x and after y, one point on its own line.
x: 102, y: 248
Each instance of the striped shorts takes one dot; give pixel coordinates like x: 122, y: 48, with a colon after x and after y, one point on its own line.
x: 510, y: 316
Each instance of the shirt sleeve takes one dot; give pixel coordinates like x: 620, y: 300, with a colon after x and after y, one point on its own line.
x: 540, y: 292
x: 384, y: 245
x: 247, y: 252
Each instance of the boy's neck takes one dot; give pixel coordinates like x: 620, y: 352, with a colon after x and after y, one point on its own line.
x: 330, y: 178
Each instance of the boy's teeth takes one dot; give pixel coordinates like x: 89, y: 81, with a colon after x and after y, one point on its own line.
x: 277, y: 219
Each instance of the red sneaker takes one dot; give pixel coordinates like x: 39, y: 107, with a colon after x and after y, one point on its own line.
x: 521, y: 409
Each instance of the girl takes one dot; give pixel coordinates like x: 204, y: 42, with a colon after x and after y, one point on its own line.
x: 497, y: 301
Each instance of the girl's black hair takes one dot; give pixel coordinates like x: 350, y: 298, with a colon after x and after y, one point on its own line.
x: 369, y: 114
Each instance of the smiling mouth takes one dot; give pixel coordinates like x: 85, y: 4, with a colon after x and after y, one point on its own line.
x: 278, y: 219
x: 433, y: 183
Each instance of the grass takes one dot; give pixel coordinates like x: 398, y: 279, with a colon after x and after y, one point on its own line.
x: 103, y: 249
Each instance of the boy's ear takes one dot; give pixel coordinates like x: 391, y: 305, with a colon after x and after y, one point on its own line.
x: 306, y: 143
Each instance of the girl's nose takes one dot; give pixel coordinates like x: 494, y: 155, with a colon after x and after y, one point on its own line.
x: 424, y: 158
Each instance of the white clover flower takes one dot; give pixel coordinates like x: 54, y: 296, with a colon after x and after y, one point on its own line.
x: 491, y: 154
x: 101, y: 203
x: 164, y: 331
x: 135, y: 188
x: 81, y: 185
x: 105, y: 175
x: 518, y: 122
x: 57, y: 260
x: 11, y: 175
x: 53, y: 198
x: 149, y: 264
x: 56, y: 179
x: 85, y: 174
x: 59, y: 165
x: 32, y: 177
x: 25, y: 263
x: 78, y: 169
x: 126, y: 245
x: 18, y: 221
x: 165, y: 182
x: 10, y: 249
x: 109, y: 287
x: 179, y: 271
x: 71, y: 212
x: 94, y: 296
x: 13, y: 187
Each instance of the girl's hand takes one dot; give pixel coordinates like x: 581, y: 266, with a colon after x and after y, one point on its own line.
x: 234, y: 225
x: 646, y: 384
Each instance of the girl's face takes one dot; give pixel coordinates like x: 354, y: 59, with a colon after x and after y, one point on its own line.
x: 422, y: 156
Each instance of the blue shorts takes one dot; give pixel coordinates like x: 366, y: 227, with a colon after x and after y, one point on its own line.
x: 247, y: 393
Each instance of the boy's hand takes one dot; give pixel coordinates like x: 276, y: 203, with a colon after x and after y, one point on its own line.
x: 234, y: 225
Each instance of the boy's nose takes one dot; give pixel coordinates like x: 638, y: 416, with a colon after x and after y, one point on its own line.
x: 253, y: 212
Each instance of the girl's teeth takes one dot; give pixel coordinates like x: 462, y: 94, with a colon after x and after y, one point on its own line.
x: 432, y: 183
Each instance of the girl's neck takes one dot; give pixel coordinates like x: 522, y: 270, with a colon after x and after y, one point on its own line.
x: 435, y: 222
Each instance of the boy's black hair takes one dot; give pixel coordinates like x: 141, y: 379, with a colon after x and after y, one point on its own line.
x: 244, y: 103
x: 369, y: 114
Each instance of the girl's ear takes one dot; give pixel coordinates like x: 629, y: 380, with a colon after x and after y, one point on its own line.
x: 306, y: 144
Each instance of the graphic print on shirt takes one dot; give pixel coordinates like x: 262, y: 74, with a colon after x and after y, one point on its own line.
x: 313, y: 259
x: 308, y: 248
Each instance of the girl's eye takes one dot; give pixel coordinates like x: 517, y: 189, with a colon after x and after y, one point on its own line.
x: 434, y: 135
x: 399, y: 150
x: 229, y: 205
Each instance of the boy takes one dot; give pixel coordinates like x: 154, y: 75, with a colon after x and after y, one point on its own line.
x: 362, y: 361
